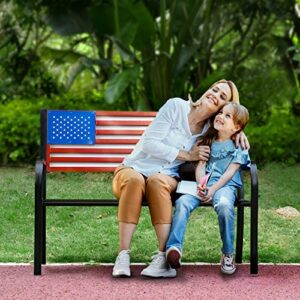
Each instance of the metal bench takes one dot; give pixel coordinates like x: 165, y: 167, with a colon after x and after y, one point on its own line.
x: 87, y: 141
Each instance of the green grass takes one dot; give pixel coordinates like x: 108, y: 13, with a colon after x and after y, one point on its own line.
x: 90, y: 234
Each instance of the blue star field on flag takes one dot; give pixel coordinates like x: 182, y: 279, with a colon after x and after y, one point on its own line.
x: 71, y: 127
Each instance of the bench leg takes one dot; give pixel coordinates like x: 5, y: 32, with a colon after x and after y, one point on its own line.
x: 254, y: 240
x: 44, y: 221
x: 38, y: 237
x: 254, y: 220
x: 239, y: 234
x: 44, y: 235
x: 38, y: 217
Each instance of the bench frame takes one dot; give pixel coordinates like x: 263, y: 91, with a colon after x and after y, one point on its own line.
x: 41, y: 203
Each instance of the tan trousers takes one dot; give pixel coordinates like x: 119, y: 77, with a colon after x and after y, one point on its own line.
x: 130, y: 187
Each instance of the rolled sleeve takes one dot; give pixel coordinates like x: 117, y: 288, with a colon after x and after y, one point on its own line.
x: 241, y: 157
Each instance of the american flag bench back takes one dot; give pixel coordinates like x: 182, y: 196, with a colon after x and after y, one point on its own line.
x: 89, y: 141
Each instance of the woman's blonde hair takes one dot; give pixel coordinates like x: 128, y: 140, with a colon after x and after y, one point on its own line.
x: 234, y: 92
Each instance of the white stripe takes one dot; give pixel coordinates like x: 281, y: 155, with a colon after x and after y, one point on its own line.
x: 120, y: 118
x: 121, y: 127
x: 86, y: 155
x: 116, y: 136
x: 89, y: 165
x: 115, y: 146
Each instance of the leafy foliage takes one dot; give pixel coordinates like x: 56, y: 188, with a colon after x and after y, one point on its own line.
x: 23, y: 72
x: 19, y: 130
x: 20, y: 123
x: 278, y: 139
x: 130, y: 55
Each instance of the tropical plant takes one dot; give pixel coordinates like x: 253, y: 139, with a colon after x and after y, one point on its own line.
x: 152, y: 50
x: 22, y: 70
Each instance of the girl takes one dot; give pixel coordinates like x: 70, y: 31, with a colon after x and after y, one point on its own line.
x: 223, y: 167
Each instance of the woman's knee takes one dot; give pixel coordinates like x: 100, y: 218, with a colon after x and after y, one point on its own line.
x: 128, y: 181
x: 158, y: 195
x: 157, y: 183
x: 135, y: 182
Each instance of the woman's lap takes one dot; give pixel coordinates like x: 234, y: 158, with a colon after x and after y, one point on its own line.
x: 130, y: 187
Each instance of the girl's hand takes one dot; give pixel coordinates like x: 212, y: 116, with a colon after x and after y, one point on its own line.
x: 201, y: 190
x: 241, y: 139
x: 210, y: 191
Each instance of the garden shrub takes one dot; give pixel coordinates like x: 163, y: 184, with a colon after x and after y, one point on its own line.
x: 20, y: 123
x: 19, y: 131
x: 278, y: 139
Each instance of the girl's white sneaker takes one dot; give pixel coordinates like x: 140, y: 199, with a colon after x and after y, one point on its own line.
x: 227, y: 264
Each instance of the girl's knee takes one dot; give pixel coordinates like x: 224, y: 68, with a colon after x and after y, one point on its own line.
x: 224, y: 205
x: 183, y: 203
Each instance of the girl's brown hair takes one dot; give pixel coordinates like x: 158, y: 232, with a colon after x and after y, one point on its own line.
x: 240, y: 117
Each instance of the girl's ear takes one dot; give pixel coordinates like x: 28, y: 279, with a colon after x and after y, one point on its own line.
x: 237, y: 128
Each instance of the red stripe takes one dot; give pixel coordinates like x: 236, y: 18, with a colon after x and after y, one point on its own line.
x: 81, y: 169
x: 121, y: 123
x: 117, y: 141
x: 121, y: 132
x: 126, y: 113
x: 103, y: 141
x: 91, y: 150
x: 48, y: 150
x: 87, y: 159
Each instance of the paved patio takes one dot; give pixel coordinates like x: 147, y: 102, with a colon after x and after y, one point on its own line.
x: 192, y: 282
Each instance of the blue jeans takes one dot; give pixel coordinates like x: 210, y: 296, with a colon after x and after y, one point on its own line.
x: 223, y: 203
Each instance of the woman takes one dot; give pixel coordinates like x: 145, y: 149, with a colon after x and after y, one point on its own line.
x: 151, y: 170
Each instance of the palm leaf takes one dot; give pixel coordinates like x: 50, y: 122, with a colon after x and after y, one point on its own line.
x: 118, y: 84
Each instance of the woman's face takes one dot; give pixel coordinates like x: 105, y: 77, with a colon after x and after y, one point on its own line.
x: 216, y: 97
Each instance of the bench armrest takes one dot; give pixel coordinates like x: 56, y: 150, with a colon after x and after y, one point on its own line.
x: 254, y: 184
x: 40, y: 180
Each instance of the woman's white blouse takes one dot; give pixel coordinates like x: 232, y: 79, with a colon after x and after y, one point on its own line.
x: 159, y: 146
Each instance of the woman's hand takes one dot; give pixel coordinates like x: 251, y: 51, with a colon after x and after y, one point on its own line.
x: 199, y: 153
x: 241, y: 139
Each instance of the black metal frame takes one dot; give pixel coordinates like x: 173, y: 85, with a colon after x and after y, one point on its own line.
x: 41, y: 202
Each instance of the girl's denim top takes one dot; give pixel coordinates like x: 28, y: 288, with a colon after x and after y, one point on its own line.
x: 221, y: 156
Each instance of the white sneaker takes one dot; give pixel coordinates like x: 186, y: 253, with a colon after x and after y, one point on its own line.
x: 227, y: 264
x: 159, y: 267
x: 122, y: 264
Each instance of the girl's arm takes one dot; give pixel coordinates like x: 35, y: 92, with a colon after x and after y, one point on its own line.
x: 232, y: 168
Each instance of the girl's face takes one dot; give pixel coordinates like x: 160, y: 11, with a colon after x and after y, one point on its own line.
x: 215, y: 97
x: 224, y: 122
